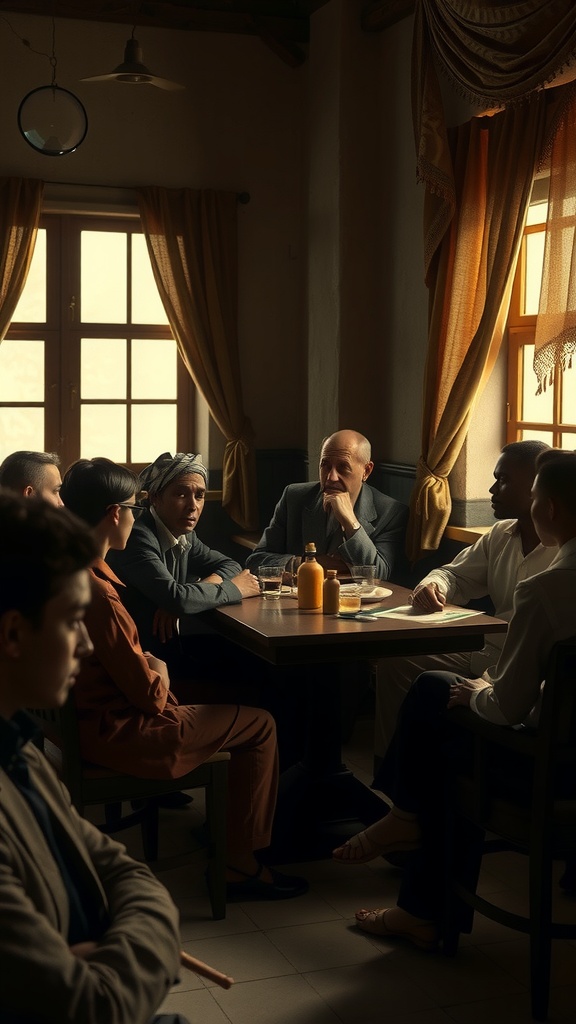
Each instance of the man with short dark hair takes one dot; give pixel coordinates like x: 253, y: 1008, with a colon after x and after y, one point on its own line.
x: 86, y: 933
x: 33, y: 475
x: 511, y: 551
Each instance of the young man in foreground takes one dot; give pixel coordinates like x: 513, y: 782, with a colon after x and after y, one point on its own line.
x: 86, y: 933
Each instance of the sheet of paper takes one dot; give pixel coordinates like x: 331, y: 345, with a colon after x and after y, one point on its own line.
x: 406, y: 611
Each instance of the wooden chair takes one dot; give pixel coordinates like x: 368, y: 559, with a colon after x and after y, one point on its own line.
x: 90, y: 784
x: 530, y: 807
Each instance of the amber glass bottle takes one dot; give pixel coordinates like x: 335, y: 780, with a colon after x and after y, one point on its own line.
x: 310, y: 580
x: 331, y: 593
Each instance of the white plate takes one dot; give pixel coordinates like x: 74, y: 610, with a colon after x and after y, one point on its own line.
x: 376, y: 594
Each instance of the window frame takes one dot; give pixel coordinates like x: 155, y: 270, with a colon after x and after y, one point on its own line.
x: 521, y: 331
x: 61, y: 335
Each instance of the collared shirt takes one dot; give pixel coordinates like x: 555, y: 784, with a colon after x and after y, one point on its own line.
x: 14, y: 734
x: 543, y: 613
x: 166, y: 538
x: 491, y: 567
x: 173, y: 548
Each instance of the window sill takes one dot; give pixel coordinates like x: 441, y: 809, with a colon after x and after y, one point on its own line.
x: 466, y: 534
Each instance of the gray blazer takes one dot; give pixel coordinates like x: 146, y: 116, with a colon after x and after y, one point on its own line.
x: 150, y: 584
x: 137, y: 958
x: 299, y: 518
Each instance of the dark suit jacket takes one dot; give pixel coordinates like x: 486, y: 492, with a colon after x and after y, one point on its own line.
x: 299, y: 519
x: 150, y: 584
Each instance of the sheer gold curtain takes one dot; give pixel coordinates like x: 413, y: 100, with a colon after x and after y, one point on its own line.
x: 494, y: 54
x: 555, y: 340
x: 20, y: 204
x: 470, y: 279
x: 192, y: 242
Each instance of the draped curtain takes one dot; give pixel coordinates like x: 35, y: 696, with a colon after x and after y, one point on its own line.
x: 470, y: 282
x: 20, y: 203
x: 478, y: 182
x: 191, y: 237
x: 555, y: 339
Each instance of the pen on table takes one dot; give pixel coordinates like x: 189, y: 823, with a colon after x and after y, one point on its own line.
x: 192, y: 964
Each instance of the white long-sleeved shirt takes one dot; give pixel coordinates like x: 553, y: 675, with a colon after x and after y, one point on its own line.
x: 544, y: 611
x: 491, y: 568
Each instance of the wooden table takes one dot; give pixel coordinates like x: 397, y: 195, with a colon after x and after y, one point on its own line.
x: 280, y: 633
x: 283, y: 635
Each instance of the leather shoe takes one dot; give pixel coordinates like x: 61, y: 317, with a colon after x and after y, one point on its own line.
x: 282, y: 887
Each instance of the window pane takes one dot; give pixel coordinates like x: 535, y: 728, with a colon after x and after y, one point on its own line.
x: 21, y: 371
x: 21, y: 430
x: 147, y: 305
x: 537, y: 213
x: 154, y: 368
x: 153, y: 431
x: 534, y: 260
x: 103, y: 277
x: 103, y: 432
x: 31, y: 308
x: 538, y: 435
x: 568, y: 396
x: 568, y: 442
x: 103, y: 368
x: 538, y: 408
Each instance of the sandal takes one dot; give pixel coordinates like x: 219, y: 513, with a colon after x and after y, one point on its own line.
x: 424, y: 936
x: 282, y: 887
x: 361, y: 848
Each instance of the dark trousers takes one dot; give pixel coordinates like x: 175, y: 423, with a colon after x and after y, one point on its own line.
x: 424, y: 751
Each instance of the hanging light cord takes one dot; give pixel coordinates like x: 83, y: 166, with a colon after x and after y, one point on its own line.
x: 51, y: 58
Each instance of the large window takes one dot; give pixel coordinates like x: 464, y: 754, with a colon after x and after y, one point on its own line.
x: 89, y: 366
x: 550, y: 416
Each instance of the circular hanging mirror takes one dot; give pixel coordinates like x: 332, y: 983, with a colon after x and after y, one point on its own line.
x: 52, y: 120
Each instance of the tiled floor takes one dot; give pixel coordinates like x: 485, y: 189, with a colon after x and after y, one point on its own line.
x: 303, y: 962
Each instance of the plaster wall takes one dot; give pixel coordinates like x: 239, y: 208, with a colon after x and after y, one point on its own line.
x: 239, y: 125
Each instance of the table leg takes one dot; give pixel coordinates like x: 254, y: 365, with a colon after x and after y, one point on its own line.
x: 321, y: 802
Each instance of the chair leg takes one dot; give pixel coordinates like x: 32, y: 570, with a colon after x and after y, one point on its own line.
x: 216, y: 796
x: 540, y: 927
x: 112, y: 815
x: 149, y: 830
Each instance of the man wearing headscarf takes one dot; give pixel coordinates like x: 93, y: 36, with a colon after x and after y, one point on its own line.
x: 171, y: 576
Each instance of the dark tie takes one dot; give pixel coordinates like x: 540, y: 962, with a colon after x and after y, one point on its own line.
x: 178, y: 568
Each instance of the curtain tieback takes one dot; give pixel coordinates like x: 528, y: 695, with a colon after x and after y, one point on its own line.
x: 427, y: 483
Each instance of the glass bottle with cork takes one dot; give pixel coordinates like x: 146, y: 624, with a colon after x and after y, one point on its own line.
x: 310, y: 580
x: 331, y: 593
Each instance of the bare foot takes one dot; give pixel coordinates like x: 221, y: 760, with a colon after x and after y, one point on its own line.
x: 397, y: 922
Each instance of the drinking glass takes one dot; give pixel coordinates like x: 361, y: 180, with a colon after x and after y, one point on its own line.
x: 364, y: 577
x: 270, y: 580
